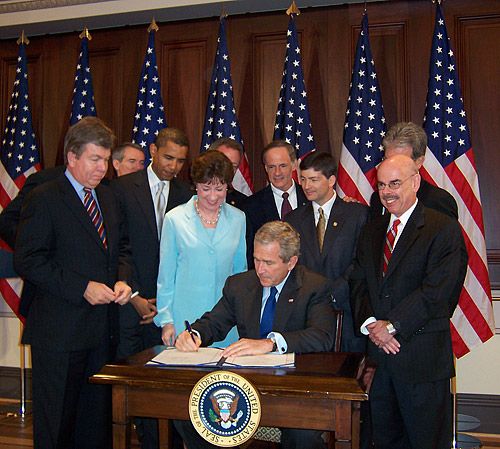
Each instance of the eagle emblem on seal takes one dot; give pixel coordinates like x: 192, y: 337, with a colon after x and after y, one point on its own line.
x: 224, y: 407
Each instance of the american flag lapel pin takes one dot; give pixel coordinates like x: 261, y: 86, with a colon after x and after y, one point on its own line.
x: 290, y: 300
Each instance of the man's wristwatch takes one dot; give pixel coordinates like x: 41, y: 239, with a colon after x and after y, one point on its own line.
x: 390, y: 328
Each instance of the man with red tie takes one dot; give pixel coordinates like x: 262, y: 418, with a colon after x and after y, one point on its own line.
x: 407, y: 277
x: 72, y: 246
x: 279, y: 197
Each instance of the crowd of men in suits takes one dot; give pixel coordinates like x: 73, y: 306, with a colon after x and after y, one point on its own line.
x: 83, y: 245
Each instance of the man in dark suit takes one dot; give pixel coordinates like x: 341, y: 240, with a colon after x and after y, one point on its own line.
x: 279, y: 306
x: 233, y: 150
x: 410, y: 139
x: 9, y: 221
x: 281, y: 195
x: 71, y: 245
x: 408, y: 274
x: 127, y: 158
x: 138, y: 197
x: 329, y: 229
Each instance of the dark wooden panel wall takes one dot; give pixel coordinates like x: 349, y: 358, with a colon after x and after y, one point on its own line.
x: 400, y: 32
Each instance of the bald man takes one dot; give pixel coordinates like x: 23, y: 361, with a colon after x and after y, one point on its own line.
x: 408, y: 274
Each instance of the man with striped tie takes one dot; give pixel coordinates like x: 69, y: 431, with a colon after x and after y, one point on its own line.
x: 408, y: 273
x: 71, y: 245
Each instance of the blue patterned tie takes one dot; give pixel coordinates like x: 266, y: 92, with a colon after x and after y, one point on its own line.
x: 266, y: 322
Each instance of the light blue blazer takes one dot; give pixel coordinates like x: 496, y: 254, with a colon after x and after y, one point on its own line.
x: 195, y: 263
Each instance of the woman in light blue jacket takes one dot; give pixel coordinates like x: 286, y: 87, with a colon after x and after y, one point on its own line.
x: 202, y: 243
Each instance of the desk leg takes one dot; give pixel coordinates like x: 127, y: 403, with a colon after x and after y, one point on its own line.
x: 346, y: 425
x: 165, y: 433
x: 121, y: 422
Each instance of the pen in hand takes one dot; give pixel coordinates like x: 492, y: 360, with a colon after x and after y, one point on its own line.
x: 188, y: 328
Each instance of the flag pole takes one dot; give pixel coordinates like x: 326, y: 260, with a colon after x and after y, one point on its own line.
x: 23, y: 39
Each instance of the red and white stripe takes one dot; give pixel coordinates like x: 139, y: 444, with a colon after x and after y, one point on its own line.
x: 242, y: 180
x: 351, y: 181
x: 473, y: 321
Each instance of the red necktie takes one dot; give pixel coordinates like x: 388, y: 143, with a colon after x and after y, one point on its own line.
x: 389, y: 243
x: 95, y: 215
x: 285, y: 205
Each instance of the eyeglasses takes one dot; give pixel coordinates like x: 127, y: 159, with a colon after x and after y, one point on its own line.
x: 393, y: 185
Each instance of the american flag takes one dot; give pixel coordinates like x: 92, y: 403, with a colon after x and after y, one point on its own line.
x: 364, y: 126
x: 20, y: 157
x: 220, y: 116
x: 293, y: 123
x: 450, y: 165
x: 149, y: 116
x: 83, y: 104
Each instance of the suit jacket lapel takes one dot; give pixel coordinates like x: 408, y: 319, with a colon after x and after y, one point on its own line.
x: 406, y: 240
x: 308, y: 222
x: 269, y: 205
x: 252, y: 308
x: 335, y: 222
x: 286, y: 301
x: 144, y: 197
x: 378, y: 243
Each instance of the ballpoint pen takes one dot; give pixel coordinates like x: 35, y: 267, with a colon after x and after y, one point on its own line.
x: 188, y: 328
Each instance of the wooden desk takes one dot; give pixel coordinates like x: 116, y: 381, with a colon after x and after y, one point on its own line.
x: 323, y: 392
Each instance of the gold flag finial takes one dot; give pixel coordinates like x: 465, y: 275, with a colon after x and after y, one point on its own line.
x: 153, y: 26
x: 293, y: 9
x: 23, y: 39
x: 85, y: 33
x: 437, y: 1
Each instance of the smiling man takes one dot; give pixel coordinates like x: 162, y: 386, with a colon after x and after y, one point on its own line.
x: 280, y: 197
x: 407, y: 277
x: 329, y: 229
x: 279, y: 306
x: 71, y: 246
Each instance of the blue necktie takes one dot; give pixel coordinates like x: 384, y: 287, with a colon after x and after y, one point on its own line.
x: 266, y: 322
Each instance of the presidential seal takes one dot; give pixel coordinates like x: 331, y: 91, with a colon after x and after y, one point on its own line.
x: 224, y: 408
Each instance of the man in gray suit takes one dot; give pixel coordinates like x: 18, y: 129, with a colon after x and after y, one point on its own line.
x: 302, y: 319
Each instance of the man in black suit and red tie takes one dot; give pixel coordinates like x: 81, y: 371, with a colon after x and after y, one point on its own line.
x: 281, y: 195
x: 407, y: 277
x: 411, y: 140
x: 139, y: 197
x: 72, y: 246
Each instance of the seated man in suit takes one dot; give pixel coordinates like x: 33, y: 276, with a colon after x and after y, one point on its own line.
x: 233, y: 150
x: 411, y: 140
x: 279, y: 306
x: 281, y: 195
x: 407, y: 277
x: 329, y: 229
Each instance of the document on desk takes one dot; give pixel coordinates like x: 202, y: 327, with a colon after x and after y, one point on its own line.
x: 212, y: 357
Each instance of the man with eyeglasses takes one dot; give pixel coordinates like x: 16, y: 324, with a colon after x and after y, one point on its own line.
x: 410, y: 139
x: 408, y: 273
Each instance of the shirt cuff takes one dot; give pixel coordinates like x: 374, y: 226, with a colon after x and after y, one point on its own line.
x: 280, y: 342
x: 363, y: 328
x: 163, y: 317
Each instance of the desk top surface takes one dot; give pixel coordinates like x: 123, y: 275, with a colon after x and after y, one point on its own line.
x: 336, y: 375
